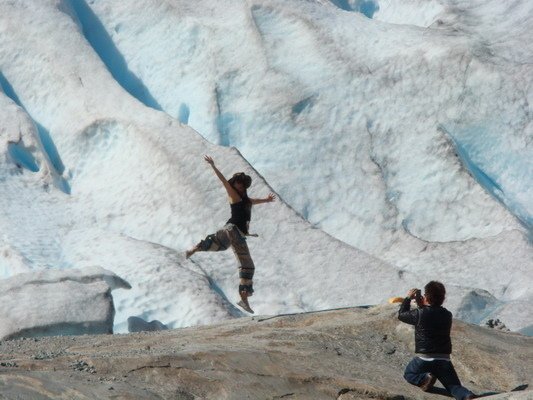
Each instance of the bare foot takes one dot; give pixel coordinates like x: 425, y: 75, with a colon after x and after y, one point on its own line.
x: 190, y: 252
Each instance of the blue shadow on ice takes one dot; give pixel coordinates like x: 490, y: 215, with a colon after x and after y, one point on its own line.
x: 44, y: 136
x: 234, y: 311
x: 299, y: 107
x: 184, y: 113
x: 224, y: 122
x: 8, y: 89
x: 50, y: 148
x: 53, y: 155
x: 365, y: 7
x: 95, y: 33
x: 18, y: 153
x: 484, y: 180
x: 22, y: 157
x: 488, y: 182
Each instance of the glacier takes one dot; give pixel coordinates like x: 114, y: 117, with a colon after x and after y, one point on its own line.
x: 397, y: 135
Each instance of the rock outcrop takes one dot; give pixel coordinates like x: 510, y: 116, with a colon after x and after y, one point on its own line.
x: 58, y: 302
x: 343, y: 354
x: 136, y: 324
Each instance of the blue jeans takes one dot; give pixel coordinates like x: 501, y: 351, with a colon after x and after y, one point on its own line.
x: 417, y: 369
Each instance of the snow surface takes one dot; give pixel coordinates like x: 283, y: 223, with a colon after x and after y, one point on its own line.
x: 405, y: 134
x: 54, y: 302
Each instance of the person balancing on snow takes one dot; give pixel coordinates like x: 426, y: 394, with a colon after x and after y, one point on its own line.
x: 236, y: 229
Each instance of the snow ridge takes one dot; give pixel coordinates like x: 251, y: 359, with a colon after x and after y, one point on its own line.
x: 102, y: 43
x: 45, y: 140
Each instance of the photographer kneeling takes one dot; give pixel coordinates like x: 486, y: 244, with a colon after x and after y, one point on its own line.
x: 433, y: 344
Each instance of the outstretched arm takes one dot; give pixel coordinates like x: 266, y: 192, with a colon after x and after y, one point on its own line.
x: 232, y: 193
x: 269, y: 199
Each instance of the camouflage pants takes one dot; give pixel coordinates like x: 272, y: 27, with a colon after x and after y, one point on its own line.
x: 231, y: 236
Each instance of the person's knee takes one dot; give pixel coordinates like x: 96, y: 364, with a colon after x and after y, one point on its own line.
x: 408, y: 376
x: 206, y: 244
x: 412, y: 372
x: 212, y: 243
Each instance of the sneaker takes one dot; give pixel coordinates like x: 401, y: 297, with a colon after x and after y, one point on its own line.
x: 245, y: 306
x: 428, y: 382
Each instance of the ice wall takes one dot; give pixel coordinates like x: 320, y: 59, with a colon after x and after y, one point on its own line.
x: 393, y: 136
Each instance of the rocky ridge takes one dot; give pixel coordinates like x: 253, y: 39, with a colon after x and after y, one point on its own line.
x: 353, y: 353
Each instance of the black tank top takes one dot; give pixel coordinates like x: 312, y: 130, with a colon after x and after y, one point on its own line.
x: 241, y: 213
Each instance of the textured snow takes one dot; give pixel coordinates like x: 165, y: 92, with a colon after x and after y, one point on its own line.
x: 400, y: 128
x: 329, y: 101
x: 55, y: 302
x: 423, y: 13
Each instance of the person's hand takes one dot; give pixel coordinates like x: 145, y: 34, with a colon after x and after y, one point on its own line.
x: 271, y: 197
x: 209, y: 160
x: 412, y: 293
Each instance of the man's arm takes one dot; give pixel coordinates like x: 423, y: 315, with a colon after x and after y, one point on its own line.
x: 405, y: 314
x: 269, y: 199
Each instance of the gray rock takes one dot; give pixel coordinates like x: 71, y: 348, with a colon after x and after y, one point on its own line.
x: 136, y: 324
x: 292, y: 356
x: 58, y: 302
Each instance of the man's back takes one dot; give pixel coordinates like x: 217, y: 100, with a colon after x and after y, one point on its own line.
x: 432, y: 327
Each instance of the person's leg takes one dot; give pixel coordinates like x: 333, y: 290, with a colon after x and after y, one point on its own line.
x: 446, y: 374
x: 193, y: 250
x: 218, y: 241
x: 246, y: 266
x: 416, y: 372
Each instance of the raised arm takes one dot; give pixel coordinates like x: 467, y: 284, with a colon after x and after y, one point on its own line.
x: 405, y: 314
x: 269, y: 199
x: 232, y: 193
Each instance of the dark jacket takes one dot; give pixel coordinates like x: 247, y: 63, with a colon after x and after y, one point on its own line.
x: 432, y: 327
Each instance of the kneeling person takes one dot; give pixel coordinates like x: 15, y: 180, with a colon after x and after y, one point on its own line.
x: 433, y: 344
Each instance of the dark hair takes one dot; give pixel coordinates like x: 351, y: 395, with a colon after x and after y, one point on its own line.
x: 241, y: 177
x: 435, y: 292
